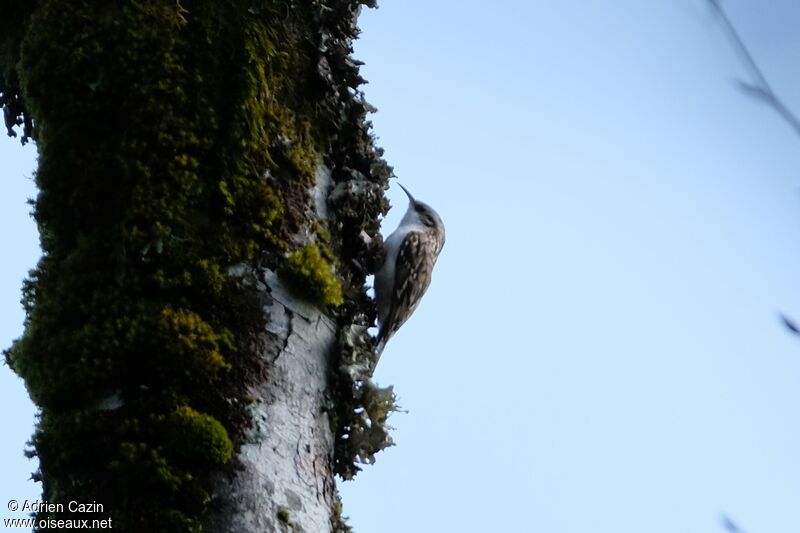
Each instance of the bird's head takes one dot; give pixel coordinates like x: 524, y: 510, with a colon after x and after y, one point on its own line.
x: 424, y: 215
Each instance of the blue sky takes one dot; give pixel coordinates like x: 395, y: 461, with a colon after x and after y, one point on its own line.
x: 600, y: 349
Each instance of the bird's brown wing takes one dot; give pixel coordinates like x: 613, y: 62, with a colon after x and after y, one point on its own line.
x: 415, y: 260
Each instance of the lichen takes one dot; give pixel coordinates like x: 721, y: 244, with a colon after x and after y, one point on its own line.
x: 338, y: 521
x: 362, y: 426
x: 16, y: 14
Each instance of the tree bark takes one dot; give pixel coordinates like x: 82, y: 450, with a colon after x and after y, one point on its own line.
x: 209, y: 210
x: 285, y: 459
x: 284, y: 475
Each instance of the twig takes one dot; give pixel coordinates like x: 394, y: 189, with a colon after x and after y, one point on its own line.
x: 760, y: 89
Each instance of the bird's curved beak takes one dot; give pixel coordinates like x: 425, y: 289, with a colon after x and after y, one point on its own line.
x: 407, y: 193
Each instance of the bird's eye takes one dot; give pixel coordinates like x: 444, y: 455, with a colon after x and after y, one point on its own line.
x: 425, y: 216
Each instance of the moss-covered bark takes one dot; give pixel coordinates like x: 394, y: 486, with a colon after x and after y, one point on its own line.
x: 177, y: 140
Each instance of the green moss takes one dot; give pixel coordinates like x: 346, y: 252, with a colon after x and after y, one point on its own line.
x: 283, y: 515
x: 200, y: 437
x: 309, y: 271
x: 193, y: 343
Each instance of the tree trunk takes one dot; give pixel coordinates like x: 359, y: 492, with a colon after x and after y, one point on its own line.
x: 285, y: 462
x: 208, y: 209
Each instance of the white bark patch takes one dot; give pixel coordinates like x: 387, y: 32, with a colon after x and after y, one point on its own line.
x: 284, y: 479
x: 323, y: 183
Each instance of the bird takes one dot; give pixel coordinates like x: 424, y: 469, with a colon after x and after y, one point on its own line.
x: 410, y: 255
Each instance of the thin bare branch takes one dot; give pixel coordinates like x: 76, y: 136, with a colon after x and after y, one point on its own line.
x: 730, y: 525
x: 760, y: 88
x: 790, y: 324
